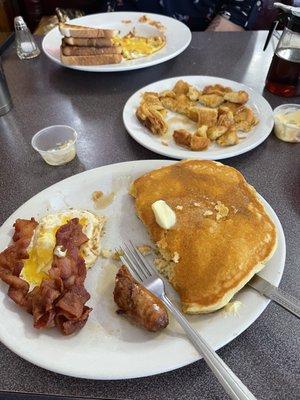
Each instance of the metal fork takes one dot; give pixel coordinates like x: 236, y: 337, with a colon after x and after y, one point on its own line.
x: 149, y: 277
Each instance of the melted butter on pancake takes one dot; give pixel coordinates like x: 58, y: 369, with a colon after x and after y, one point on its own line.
x: 221, y: 243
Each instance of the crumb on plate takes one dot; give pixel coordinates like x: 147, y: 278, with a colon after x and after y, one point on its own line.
x: 144, y: 249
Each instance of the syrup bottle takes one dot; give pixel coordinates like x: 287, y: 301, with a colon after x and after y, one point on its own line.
x: 283, y: 77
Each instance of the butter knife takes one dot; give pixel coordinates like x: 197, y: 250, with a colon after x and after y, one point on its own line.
x: 270, y: 291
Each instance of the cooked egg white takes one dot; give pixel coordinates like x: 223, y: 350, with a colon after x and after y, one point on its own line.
x: 139, y: 46
x: 42, y: 245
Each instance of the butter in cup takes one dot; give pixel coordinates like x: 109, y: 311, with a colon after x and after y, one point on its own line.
x: 287, y: 122
x: 56, y: 144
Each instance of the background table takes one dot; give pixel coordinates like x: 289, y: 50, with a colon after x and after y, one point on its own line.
x: 265, y: 356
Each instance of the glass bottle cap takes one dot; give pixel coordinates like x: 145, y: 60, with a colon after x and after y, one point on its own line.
x: 19, y: 22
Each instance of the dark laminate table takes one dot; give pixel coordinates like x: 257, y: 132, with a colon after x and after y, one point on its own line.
x: 265, y: 356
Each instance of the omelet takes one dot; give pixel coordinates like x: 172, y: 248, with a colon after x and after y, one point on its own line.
x: 139, y: 46
x: 42, y: 245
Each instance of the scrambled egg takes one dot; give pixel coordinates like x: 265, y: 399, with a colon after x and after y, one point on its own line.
x: 43, y: 242
x: 139, y: 46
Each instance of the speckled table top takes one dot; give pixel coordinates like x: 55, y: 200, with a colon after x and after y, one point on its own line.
x: 266, y: 355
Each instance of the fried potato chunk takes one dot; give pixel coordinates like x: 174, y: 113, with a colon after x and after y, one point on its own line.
x: 199, y: 143
x: 203, y: 115
x: 202, y: 131
x: 181, y: 104
x: 239, y: 97
x: 220, y: 90
x: 150, y: 97
x: 192, y: 141
x: 229, y: 138
x: 225, y: 118
x: 181, y: 87
x: 211, y: 100
x: 151, y: 114
x: 245, y: 119
x: 167, y: 93
x: 182, y: 137
x: 152, y: 119
x: 214, y: 132
x: 193, y: 93
x: 231, y: 106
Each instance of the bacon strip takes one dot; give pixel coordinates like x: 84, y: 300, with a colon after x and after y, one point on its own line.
x: 60, y: 300
x: 43, y: 304
x: 71, y: 313
x: 69, y: 274
x: 11, y: 262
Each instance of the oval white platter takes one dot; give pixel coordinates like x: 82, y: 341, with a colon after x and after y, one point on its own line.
x: 110, y: 347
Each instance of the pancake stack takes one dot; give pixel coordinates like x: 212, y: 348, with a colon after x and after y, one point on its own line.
x: 222, y: 236
x: 88, y: 46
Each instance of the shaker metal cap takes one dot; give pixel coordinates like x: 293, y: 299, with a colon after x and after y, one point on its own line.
x: 19, y: 22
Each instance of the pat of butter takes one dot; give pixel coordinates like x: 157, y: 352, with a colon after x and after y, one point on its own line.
x: 292, y: 118
x: 287, y: 126
x: 62, y: 154
x: 59, y: 252
x: 164, y: 215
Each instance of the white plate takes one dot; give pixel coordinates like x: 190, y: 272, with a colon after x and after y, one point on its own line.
x: 152, y: 142
x: 109, y: 347
x: 178, y: 37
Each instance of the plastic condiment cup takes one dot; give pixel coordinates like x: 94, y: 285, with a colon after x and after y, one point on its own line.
x: 56, y: 144
x: 286, y: 131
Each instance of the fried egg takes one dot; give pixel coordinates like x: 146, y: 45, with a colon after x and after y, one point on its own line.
x: 43, y: 242
x: 139, y: 46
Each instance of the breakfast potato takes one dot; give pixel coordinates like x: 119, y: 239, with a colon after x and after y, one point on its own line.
x: 199, y: 143
x: 214, y: 132
x: 181, y: 87
x: 229, y: 138
x: 204, y: 115
x: 239, y: 97
x: 211, y: 100
x: 182, y: 137
x: 202, y: 131
x: 217, y: 110
x: 216, y: 89
x: 225, y: 118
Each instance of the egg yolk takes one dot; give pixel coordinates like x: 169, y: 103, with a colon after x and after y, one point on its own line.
x: 36, y: 267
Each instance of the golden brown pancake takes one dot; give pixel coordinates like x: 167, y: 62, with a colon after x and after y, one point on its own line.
x: 222, y: 235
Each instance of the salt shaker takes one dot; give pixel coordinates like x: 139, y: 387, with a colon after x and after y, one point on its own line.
x: 26, y: 46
